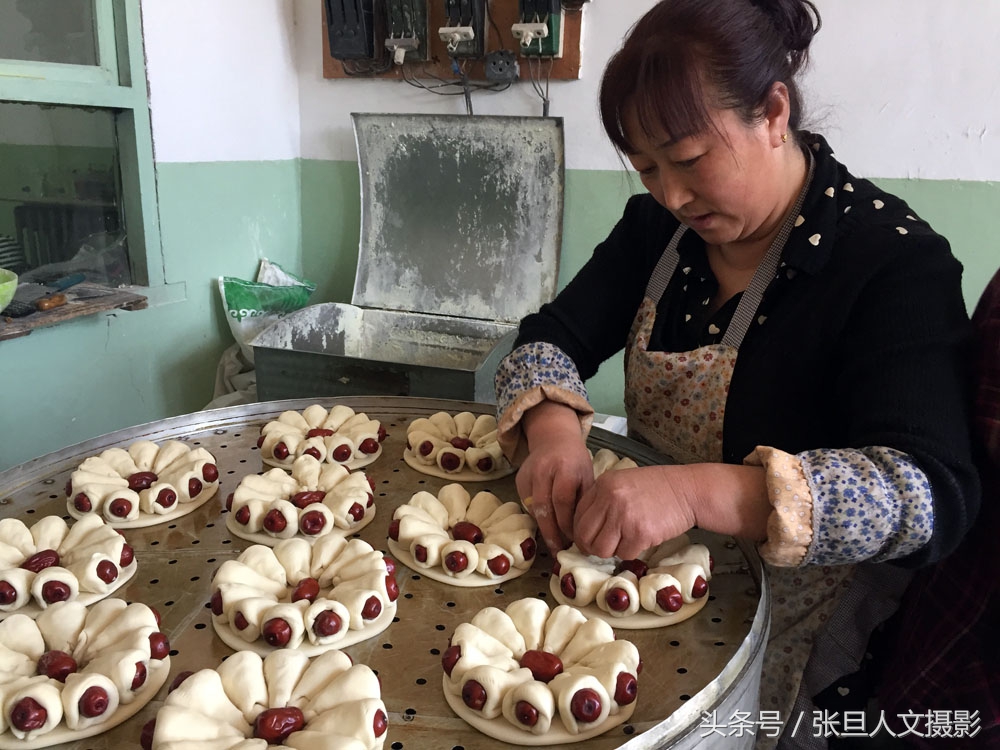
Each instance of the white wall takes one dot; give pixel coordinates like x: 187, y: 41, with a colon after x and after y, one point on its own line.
x: 222, y: 79
x: 902, y: 88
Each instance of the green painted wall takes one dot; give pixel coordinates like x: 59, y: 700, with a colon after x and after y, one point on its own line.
x: 72, y: 382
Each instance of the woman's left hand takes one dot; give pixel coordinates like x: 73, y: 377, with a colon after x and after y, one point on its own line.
x: 629, y: 510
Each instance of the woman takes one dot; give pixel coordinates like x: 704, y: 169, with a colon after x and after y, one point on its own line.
x: 793, y: 337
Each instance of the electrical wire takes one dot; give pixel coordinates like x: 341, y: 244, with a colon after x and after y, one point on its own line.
x: 536, y: 81
x: 365, y: 70
x: 443, y: 83
x: 493, y: 23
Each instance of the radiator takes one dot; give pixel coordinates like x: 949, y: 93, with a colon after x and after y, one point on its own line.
x: 52, y: 232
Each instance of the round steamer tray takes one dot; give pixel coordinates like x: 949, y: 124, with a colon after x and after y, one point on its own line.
x: 259, y: 647
x: 501, y: 729
x: 354, y: 465
x: 465, y: 475
x: 470, y: 581
x: 709, y: 663
x: 150, y: 519
x: 266, y: 539
x: 155, y: 677
x: 642, y: 620
x: 32, y: 609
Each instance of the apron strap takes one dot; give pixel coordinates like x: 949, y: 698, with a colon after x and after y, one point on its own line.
x: 749, y: 303
x: 754, y: 294
x: 665, y: 267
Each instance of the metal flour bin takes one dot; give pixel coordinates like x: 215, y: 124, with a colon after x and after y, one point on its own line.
x: 461, y: 225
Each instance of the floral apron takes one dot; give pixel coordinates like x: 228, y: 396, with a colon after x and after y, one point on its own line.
x: 676, y: 402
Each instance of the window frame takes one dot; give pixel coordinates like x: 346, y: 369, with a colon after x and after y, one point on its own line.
x: 117, y: 82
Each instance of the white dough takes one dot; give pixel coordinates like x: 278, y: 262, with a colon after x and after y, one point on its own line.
x: 539, y: 696
x: 60, y: 625
x: 76, y: 685
x: 242, y: 676
x: 315, y: 610
x: 20, y: 580
x: 283, y: 669
x: 497, y: 623
x: 49, y: 532
x: 564, y: 686
x: 561, y: 627
x: 529, y: 616
x: 54, y: 573
x: 590, y: 634
x: 206, y: 690
x: 322, y: 670
x: 47, y: 695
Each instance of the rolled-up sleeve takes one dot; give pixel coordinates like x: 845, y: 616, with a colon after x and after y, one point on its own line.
x: 526, y: 377
x: 832, y: 507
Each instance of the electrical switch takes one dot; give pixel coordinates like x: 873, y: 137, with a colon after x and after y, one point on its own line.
x: 350, y: 29
x: 406, y: 29
x: 464, y: 30
x: 539, y: 28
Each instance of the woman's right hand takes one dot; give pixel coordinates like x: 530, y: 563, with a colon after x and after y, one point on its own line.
x: 557, y: 471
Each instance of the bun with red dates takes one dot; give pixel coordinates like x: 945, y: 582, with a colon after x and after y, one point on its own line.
x: 665, y: 585
x: 530, y: 675
x: 50, y: 562
x: 339, y: 436
x: 314, y: 500
x: 302, y: 596
x: 283, y: 699
x: 73, y: 672
x: 143, y: 485
x: 463, y: 540
x: 462, y: 447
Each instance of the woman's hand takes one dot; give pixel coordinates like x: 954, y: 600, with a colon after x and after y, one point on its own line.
x: 629, y: 510
x: 556, y: 472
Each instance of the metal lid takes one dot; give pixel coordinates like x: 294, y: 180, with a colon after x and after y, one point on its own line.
x: 460, y: 215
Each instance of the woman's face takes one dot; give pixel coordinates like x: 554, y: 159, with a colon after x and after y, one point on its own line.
x: 726, y: 183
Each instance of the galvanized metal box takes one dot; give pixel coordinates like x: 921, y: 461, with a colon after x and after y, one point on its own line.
x: 461, y: 225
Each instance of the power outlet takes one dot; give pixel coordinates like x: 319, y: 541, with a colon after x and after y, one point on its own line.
x: 501, y: 66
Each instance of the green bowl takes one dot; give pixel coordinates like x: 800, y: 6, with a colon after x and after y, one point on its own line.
x: 8, y: 285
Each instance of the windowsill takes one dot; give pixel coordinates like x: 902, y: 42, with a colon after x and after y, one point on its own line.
x: 89, y: 299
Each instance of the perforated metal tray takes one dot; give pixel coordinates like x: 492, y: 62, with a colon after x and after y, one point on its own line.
x: 701, y: 664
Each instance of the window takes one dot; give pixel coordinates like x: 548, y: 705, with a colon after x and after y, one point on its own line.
x: 77, y: 186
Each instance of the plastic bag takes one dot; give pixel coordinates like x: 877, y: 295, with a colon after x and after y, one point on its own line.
x: 252, y: 306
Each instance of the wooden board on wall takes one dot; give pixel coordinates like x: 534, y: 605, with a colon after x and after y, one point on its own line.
x: 504, y: 14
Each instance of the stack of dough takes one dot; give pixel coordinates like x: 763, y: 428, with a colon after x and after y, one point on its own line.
x: 488, y: 536
x: 298, y: 593
x: 314, y: 500
x: 120, y: 485
x: 540, y: 671
x: 72, y: 668
x: 465, y: 444
x: 51, y: 562
x: 251, y: 703
x: 337, y: 436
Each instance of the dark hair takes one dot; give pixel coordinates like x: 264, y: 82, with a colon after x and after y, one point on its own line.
x: 683, y: 51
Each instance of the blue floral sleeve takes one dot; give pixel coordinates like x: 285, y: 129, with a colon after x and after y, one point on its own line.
x: 530, y: 374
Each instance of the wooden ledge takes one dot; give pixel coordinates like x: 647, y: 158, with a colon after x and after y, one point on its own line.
x: 83, y: 299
